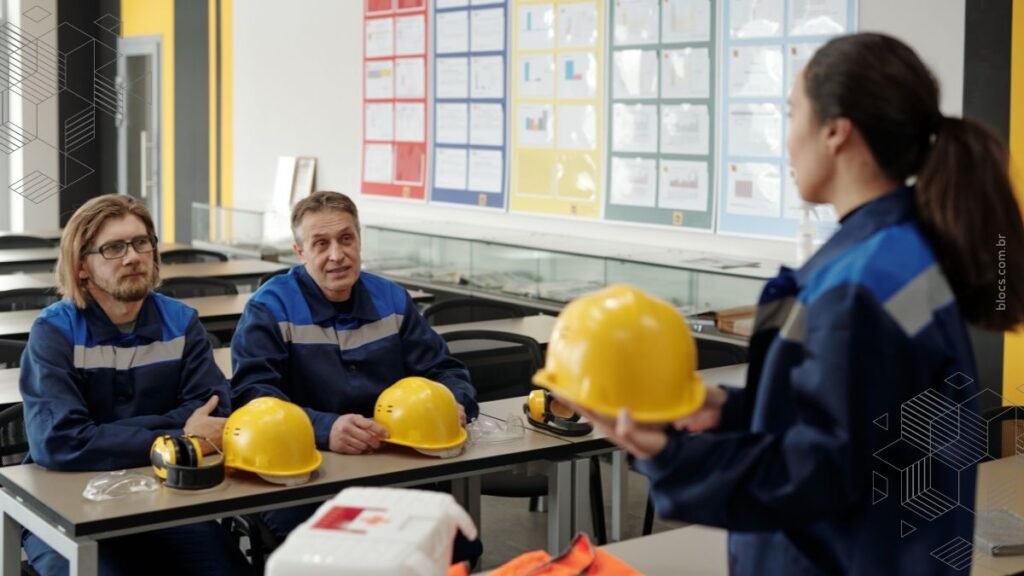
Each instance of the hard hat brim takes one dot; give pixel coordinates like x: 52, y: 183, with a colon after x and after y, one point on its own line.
x: 312, y: 467
x: 545, y: 379
x: 460, y: 440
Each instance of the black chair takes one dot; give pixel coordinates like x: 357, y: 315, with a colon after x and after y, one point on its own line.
x: 263, y: 279
x: 15, y: 241
x: 191, y: 256
x: 10, y: 353
x: 459, y: 310
x: 710, y: 354
x: 502, y: 365
x: 27, y: 299
x: 193, y: 287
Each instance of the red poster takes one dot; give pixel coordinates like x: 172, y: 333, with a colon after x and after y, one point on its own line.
x: 378, y: 6
x: 395, y: 73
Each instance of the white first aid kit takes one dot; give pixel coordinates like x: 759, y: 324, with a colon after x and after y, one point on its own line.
x: 371, y: 531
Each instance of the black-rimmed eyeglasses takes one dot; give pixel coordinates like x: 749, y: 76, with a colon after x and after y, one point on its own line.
x: 118, y: 248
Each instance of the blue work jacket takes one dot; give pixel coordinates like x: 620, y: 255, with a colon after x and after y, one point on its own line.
x: 293, y: 344
x: 853, y: 447
x: 95, y: 398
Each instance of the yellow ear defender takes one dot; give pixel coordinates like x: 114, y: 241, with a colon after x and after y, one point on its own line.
x: 544, y: 411
x: 178, y: 461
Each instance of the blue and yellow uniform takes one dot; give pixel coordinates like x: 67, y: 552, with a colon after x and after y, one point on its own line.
x: 861, y: 375
x: 95, y: 397
x: 293, y: 343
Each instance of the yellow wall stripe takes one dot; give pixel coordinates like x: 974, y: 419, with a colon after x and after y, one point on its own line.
x: 227, y: 95
x: 213, y: 124
x: 156, y: 18
x: 1013, y: 350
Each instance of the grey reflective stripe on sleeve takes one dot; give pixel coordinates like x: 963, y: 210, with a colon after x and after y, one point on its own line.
x: 913, y: 306
x: 773, y: 315
x: 344, y: 339
x: 386, y: 326
x: 120, y: 358
x: 795, y: 327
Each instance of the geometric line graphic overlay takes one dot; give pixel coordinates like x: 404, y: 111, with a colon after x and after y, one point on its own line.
x: 15, y: 135
x: 919, y: 496
x: 36, y: 13
x: 879, y: 487
x: 882, y: 421
x: 959, y: 438
x: 906, y: 529
x: 109, y: 22
x: 959, y: 380
x: 107, y: 95
x: 36, y: 187
x: 80, y: 129
x: 17, y: 54
x: 956, y: 553
x: 917, y: 414
x: 44, y: 82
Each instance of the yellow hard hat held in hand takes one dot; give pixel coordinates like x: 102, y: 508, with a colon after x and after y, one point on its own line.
x: 421, y: 414
x: 621, y: 348
x: 272, y: 438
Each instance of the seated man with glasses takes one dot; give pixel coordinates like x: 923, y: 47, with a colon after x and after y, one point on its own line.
x: 110, y: 368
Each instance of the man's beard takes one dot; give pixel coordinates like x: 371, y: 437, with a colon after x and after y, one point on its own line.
x: 131, y: 289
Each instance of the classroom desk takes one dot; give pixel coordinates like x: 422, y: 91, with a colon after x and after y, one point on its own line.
x: 43, y: 259
x: 51, y: 505
x: 538, y: 327
x: 215, y: 312
x: 9, y: 393
x: 52, y: 234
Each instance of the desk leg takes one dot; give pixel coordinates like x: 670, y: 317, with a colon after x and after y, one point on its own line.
x: 582, y: 520
x: 467, y: 494
x: 559, y: 506
x: 10, y: 554
x: 619, y: 482
x: 85, y: 560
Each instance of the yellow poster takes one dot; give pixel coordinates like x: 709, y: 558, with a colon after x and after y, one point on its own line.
x: 557, y: 108
x: 1013, y: 351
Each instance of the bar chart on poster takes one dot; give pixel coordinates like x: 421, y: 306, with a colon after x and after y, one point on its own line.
x: 661, y: 137
x: 766, y: 43
x: 470, y: 102
x: 395, y: 98
x: 557, y: 111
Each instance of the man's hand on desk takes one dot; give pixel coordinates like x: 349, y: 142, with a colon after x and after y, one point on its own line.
x: 201, y: 424
x: 355, y: 434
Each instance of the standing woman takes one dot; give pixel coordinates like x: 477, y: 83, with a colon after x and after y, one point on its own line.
x: 876, y: 321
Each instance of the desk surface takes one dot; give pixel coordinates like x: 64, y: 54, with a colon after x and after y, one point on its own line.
x: 693, y: 550
x: 57, y: 496
x: 51, y: 234
x: 229, y: 269
x: 19, y: 322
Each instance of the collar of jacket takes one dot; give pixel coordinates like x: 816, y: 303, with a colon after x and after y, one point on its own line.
x: 321, y: 309
x: 891, y: 209
x: 147, y: 325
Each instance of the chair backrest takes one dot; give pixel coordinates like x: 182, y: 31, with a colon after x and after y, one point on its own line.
x: 459, y: 310
x: 15, y: 241
x: 192, y: 287
x: 27, y: 299
x: 263, y: 279
x: 191, y: 256
x: 501, y: 364
x: 1005, y: 430
x: 715, y: 353
x: 13, y: 438
x: 10, y: 353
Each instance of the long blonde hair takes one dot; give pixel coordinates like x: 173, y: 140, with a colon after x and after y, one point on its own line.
x: 80, y: 232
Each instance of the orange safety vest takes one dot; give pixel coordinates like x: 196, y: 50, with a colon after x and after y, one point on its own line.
x: 580, y: 558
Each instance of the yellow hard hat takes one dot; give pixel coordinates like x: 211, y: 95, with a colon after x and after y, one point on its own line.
x: 421, y: 414
x: 621, y: 348
x: 272, y: 438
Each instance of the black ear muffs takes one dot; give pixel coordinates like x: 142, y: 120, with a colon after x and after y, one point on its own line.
x: 544, y: 412
x: 179, y: 462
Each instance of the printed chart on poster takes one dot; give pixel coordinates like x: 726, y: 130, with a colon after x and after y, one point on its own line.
x: 470, y: 102
x: 557, y: 111
x: 765, y: 45
x: 661, y: 136
x: 395, y: 98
